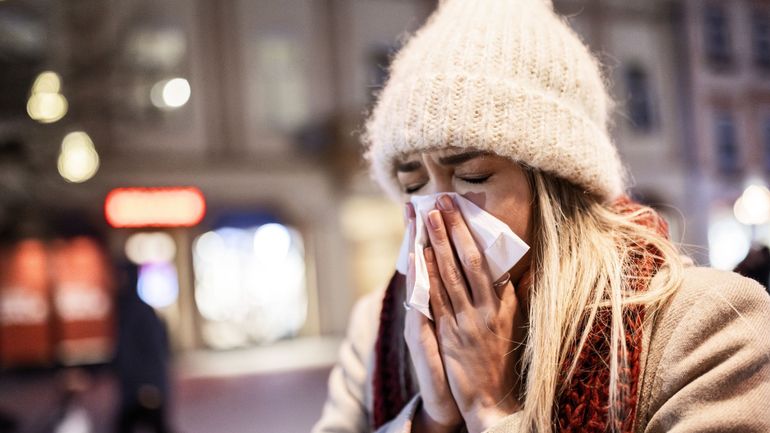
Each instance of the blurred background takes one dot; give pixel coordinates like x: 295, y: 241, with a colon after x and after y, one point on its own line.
x: 186, y: 220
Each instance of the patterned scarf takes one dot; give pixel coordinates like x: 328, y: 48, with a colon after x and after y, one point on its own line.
x: 584, y: 405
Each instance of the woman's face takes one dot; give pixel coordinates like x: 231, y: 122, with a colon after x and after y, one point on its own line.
x: 495, y: 184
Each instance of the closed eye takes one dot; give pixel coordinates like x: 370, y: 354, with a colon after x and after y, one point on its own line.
x: 413, y: 189
x: 476, y: 179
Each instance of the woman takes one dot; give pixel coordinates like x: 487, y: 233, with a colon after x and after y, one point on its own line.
x: 602, y: 326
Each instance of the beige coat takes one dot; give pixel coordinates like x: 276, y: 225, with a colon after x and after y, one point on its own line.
x: 705, y: 364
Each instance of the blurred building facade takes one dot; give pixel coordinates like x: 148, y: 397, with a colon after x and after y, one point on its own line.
x: 635, y: 42
x: 691, y: 80
x: 279, y: 87
x: 726, y: 79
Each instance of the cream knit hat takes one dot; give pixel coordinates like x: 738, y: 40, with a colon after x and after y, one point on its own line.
x: 506, y: 76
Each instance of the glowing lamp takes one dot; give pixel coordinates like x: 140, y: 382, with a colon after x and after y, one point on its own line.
x: 46, y: 104
x: 155, y: 207
x: 753, y: 206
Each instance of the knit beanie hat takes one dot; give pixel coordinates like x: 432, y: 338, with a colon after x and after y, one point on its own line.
x: 505, y: 76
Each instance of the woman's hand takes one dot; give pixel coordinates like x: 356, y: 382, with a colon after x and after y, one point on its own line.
x: 438, y: 412
x: 479, y: 327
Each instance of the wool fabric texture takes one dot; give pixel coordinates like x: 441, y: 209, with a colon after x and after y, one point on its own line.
x: 584, y: 404
x: 504, y: 76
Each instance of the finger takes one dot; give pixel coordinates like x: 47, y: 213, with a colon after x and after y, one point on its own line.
x: 417, y: 326
x: 510, y: 294
x: 450, y: 271
x: 500, y: 285
x: 523, y: 288
x: 506, y: 293
x: 440, y: 304
x: 410, y: 277
x: 410, y: 273
x: 419, y: 333
x: 410, y: 225
x: 526, y: 281
x: 520, y: 287
x: 420, y: 336
x: 408, y: 212
x: 472, y: 261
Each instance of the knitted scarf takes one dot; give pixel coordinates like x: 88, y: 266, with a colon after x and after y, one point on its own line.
x: 584, y: 405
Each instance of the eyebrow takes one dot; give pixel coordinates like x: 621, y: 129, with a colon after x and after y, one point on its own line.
x: 457, y: 159
x: 461, y: 157
x: 408, y: 167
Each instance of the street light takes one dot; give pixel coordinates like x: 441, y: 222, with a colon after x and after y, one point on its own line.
x: 753, y: 207
x: 46, y: 104
x: 170, y: 94
x: 78, y: 160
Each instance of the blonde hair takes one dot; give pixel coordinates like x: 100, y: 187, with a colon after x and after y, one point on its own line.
x: 582, y: 254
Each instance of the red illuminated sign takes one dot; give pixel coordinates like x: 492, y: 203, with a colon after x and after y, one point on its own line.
x: 155, y: 207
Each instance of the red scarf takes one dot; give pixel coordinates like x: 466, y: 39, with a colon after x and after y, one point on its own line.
x: 584, y: 406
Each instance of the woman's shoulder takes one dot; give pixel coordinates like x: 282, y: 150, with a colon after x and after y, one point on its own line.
x: 719, y: 285
x: 717, y: 295
x: 708, y: 300
x: 706, y: 352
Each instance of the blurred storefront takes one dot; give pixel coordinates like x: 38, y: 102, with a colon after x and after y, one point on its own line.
x: 56, y: 303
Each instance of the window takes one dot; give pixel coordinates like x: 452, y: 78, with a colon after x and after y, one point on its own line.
x: 726, y: 143
x: 717, y: 35
x: 639, y: 99
x: 761, y: 39
x: 250, y: 285
x: 282, y: 95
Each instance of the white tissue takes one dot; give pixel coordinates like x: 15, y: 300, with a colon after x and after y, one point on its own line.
x: 498, y: 243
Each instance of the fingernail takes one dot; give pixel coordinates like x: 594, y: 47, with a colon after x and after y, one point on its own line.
x: 434, y: 219
x: 445, y: 203
x: 429, y: 254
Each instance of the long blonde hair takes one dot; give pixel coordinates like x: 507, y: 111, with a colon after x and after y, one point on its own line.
x: 580, y: 260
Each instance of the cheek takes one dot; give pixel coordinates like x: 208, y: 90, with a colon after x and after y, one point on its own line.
x: 517, y: 218
x: 508, y: 200
x: 514, y: 212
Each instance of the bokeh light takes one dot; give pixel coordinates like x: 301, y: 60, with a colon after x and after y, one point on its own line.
x: 729, y: 242
x: 170, y: 94
x: 47, y: 82
x: 272, y: 243
x: 46, y: 104
x: 47, y: 107
x: 155, y: 207
x: 78, y: 160
x: 158, y: 285
x: 78, y: 302
x: 250, y: 284
x: 753, y: 206
x: 153, y: 247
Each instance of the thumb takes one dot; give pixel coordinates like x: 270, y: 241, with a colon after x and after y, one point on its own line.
x: 526, y: 281
x: 524, y: 285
